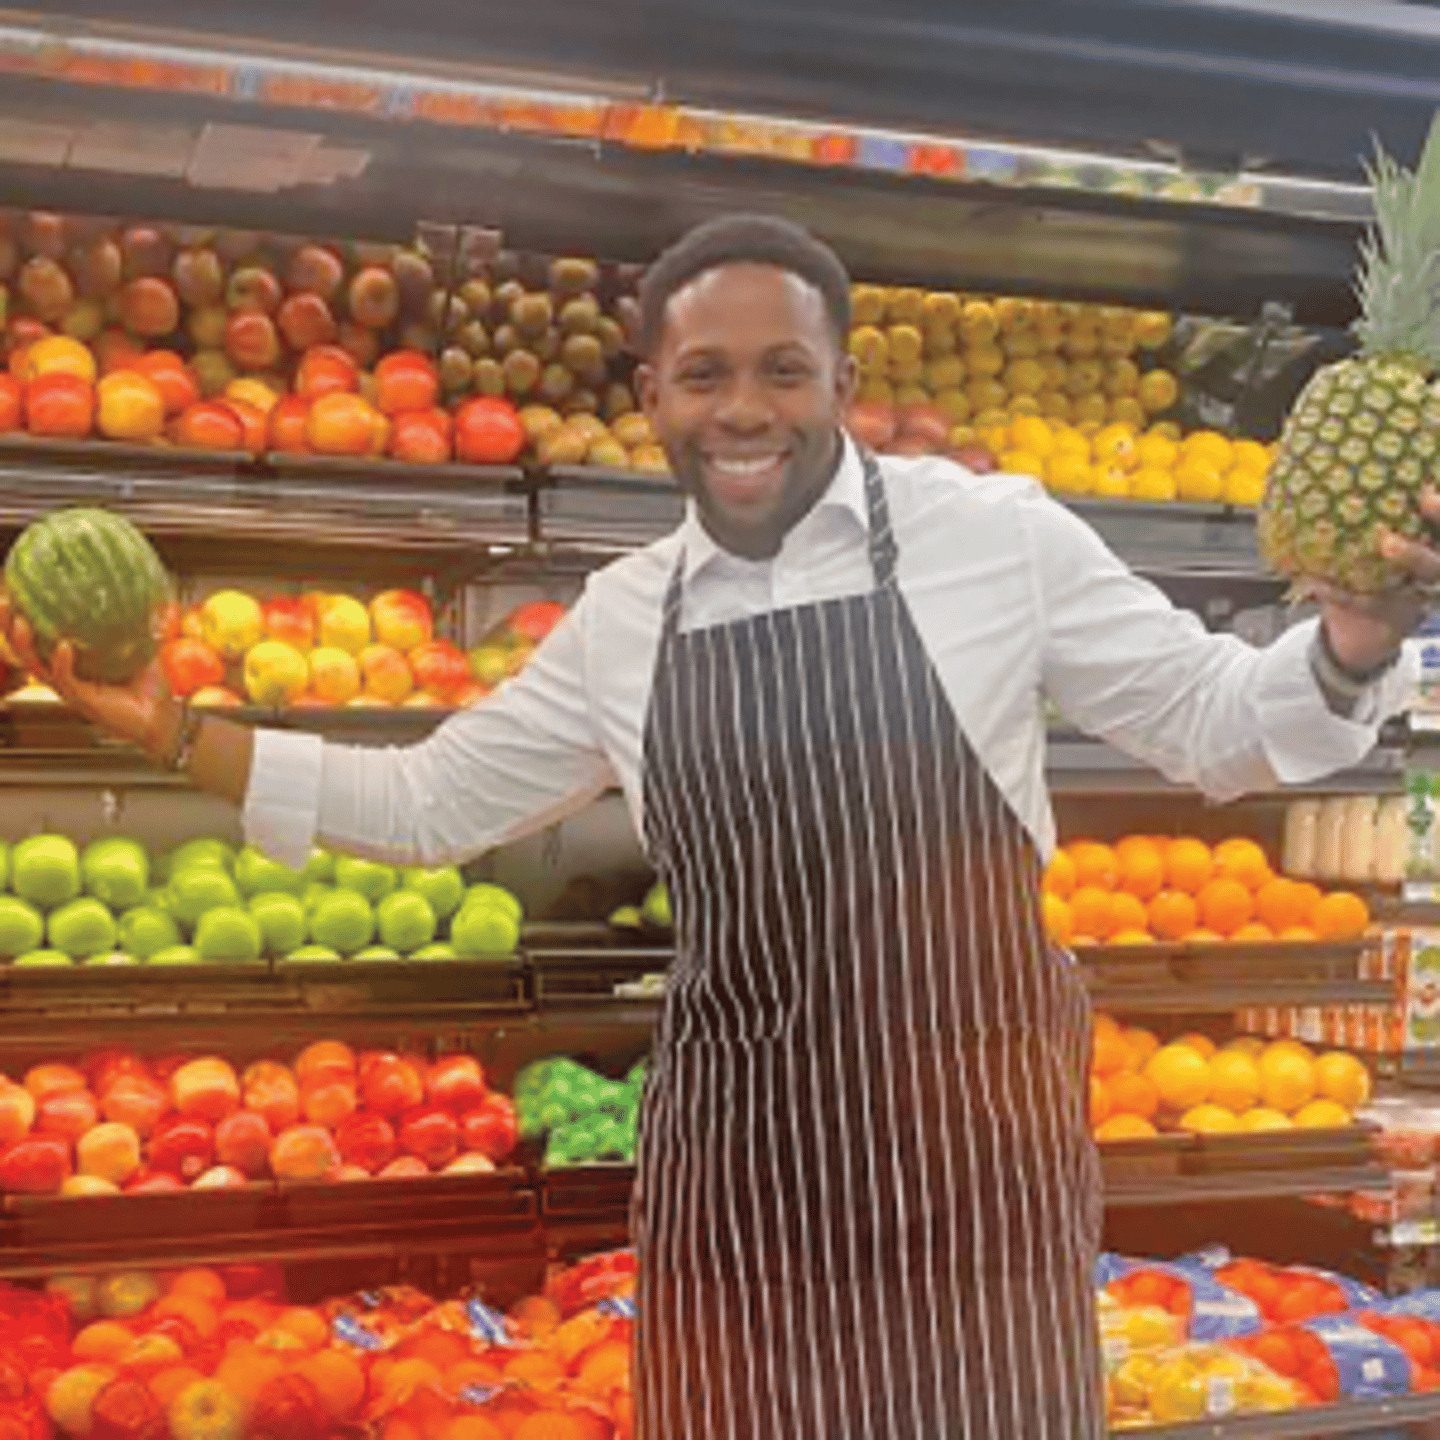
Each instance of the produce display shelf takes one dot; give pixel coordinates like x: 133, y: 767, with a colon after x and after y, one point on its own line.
x: 1136, y: 1192
x: 180, y: 496
x: 1353, y: 1417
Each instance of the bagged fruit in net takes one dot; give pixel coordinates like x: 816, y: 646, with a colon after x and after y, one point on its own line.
x: 1127, y: 1330
x: 1196, y: 1382
x: 1287, y: 1294
x: 602, y: 1277
x: 1335, y: 1357
x: 1185, y: 1289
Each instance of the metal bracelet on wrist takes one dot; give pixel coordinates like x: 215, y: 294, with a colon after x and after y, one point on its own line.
x: 178, y: 760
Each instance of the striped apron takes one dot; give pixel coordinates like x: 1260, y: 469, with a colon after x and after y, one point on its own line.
x: 868, y: 1204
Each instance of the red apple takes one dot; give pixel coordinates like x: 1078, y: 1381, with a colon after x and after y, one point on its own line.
x: 104, y: 1067
x: 316, y: 269
x: 220, y: 1177
x: 17, y: 1111
x: 253, y: 290
x: 871, y: 423
x: 456, y: 1083
x: 403, y: 619
x: 926, y: 424
x: 149, y: 308
x: 532, y: 622
x: 289, y: 618
x: 251, y: 340
x: 430, y: 1134
x: 126, y: 1409
x: 69, y: 1114
x: 242, y: 1140
x: 305, y: 320
x: 206, y: 1088
x: 366, y: 1140
x: 288, y: 1407
x: 181, y: 1145
x: 43, y: 1081
x: 390, y: 1086
x: 136, y: 1101
x: 38, y: 1165
x: 190, y: 665
x: 271, y: 1090
x: 490, y: 1128
x: 328, y: 1102
x: 404, y: 1167
x: 149, y: 1182
x: 110, y: 1151
x: 325, y: 1059
x: 440, y: 667
x: 422, y: 437
x: 303, y: 1152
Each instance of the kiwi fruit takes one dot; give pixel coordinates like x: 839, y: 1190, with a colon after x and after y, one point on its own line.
x: 612, y: 336
x: 473, y: 338
x: 649, y: 460
x: 608, y: 453
x: 540, y: 422
x: 580, y: 316
x: 584, y: 355
x: 618, y: 401
x: 867, y: 304
x: 556, y: 383
x: 504, y: 340
x: 632, y: 430
x: 870, y: 348
x: 478, y: 297
x: 531, y: 314
x: 488, y: 377
x: 522, y: 372
x: 906, y: 307
x: 456, y: 369
x: 565, y: 446
x: 570, y: 275
x: 583, y: 402
x: 907, y: 345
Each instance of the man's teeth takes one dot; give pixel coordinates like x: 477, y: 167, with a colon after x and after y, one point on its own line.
x: 745, y: 467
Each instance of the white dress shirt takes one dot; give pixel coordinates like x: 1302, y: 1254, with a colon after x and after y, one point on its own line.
x: 1014, y: 596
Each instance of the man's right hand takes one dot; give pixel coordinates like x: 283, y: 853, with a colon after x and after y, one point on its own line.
x: 143, y: 712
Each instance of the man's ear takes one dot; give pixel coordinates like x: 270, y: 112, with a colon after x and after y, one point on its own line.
x: 847, y: 381
x: 646, y: 390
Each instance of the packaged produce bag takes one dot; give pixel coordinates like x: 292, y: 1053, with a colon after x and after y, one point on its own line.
x: 1195, y: 1382
x: 1187, y: 1289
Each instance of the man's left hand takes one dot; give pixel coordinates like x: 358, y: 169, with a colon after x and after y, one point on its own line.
x: 1365, y: 631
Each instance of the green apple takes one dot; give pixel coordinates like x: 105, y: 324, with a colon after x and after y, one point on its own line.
x: 626, y: 917
x: 116, y: 870
x: 376, y: 952
x: 441, y: 885
x: 313, y: 894
x: 484, y: 932
x: 258, y: 874
x: 110, y: 957
x: 81, y: 928
x: 198, y: 888
x: 4, y: 864
x: 438, y: 951
x: 496, y: 896
x: 320, y: 866
x: 228, y: 933
x: 204, y: 851
x: 22, y: 927
x: 45, y: 870
x: 282, y: 921
x: 175, y: 955
x: 314, y: 952
x: 365, y: 877
x: 344, y: 921
x: 406, y: 920
x: 41, y: 958
x: 656, y: 908
x: 144, y: 930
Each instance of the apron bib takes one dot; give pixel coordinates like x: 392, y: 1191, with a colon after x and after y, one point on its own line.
x: 868, y: 1203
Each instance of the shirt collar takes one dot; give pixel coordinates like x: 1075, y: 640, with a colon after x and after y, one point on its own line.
x: 845, y: 495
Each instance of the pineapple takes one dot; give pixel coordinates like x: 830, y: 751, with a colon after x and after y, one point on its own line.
x: 1364, y: 436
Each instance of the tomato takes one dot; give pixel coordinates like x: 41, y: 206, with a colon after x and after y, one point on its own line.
x: 60, y: 405
x: 171, y: 376
x: 490, y: 1127
x: 421, y: 437
x: 406, y: 380
x: 488, y: 432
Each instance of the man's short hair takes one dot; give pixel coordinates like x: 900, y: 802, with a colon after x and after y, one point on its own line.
x: 743, y: 240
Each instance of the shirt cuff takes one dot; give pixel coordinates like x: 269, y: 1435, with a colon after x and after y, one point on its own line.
x: 1303, y: 737
x: 282, y: 801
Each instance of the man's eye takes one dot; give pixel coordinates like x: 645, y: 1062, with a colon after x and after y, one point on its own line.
x: 698, y: 376
x: 790, y: 372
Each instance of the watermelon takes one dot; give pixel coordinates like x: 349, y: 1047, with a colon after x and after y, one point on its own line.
x: 90, y: 577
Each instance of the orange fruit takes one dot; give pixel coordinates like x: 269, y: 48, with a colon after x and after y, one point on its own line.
x: 1127, y: 912
x: 535, y: 1316
x: 1180, y: 1075
x: 305, y: 1324
x: 1340, y: 916
x: 1188, y: 865
x: 1298, y: 932
x: 1099, y: 1101
x: 1109, y: 1054
x: 537, y: 1369
x: 1131, y: 937
x: 1106, y: 1022
x: 1125, y: 1127
x: 1173, y: 915
x: 166, y: 1384
x: 1059, y: 878
x: 1321, y: 1115
x: 201, y: 1282
x: 1225, y: 905
x: 1200, y: 1044
x: 339, y: 1381
x: 1090, y: 912
x: 1143, y: 1043
x: 1142, y: 866
x: 1242, y: 860
x: 1287, y: 1078
x: 1202, y: 936
x: 1234, y: 1080
x: 1095, y: 864
x: 1253, y: 932
x: 1307, y: 897
x: 200, y: 1313
x: 1209, y: 1119
x: 560, y: 1425
x: 401, y: 1379
x: 442, y: 1348
x: 102, y: 1340
x: 604, y: 1367
x: 1058, y: 924
x: 1279, y: 903
x: 472, y: 1427
x: 247, y: 1369
x: 1129, y: 1093
x: 1261, y: 1117
x: 1342, y: 1078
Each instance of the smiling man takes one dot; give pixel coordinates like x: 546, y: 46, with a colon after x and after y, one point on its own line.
x: 868, y: 1204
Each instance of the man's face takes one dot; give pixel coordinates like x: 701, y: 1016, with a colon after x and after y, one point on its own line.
x: 746, y: 392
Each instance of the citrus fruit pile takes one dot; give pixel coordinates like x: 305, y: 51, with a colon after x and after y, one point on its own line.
x: 1140, y: 1087
x: 217, y: 1352
x: 1147, y: 888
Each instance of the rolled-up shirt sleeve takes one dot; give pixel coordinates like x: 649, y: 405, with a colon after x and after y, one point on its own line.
x: 1208, y: 710
x: 522, y: 758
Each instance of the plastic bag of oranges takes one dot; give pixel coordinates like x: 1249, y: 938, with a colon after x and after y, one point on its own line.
x: 1288, y: 1294
x: 1336, y: 1357
x: 1185, y: 1289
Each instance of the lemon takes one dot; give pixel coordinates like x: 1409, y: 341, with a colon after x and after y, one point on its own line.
x: 1322, y: 1115
x: 1110, y: 481
x: 1132, y: 1379
x: 1342, y: 1078
x: 1198, y: 481
x: 1234, y: 1080
x: 1069, y: 441
x: 1033, y: 434
x: 1209, y: 1119
x: 1152, y: 483
x: 1250, y: 455
x: 1287, y: 1079
x: 1148, y: 1327
x: 1211, y: 446
x: 1181, y: 1075
x: 1157, y: 450
x: 1069, y: 473
x: 1261, y: 1117
x: 1152, y: 329
x: 1115, y: 445
x: 1158, y: 390
x: 1244, y: 487
x: 1022, y: 462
